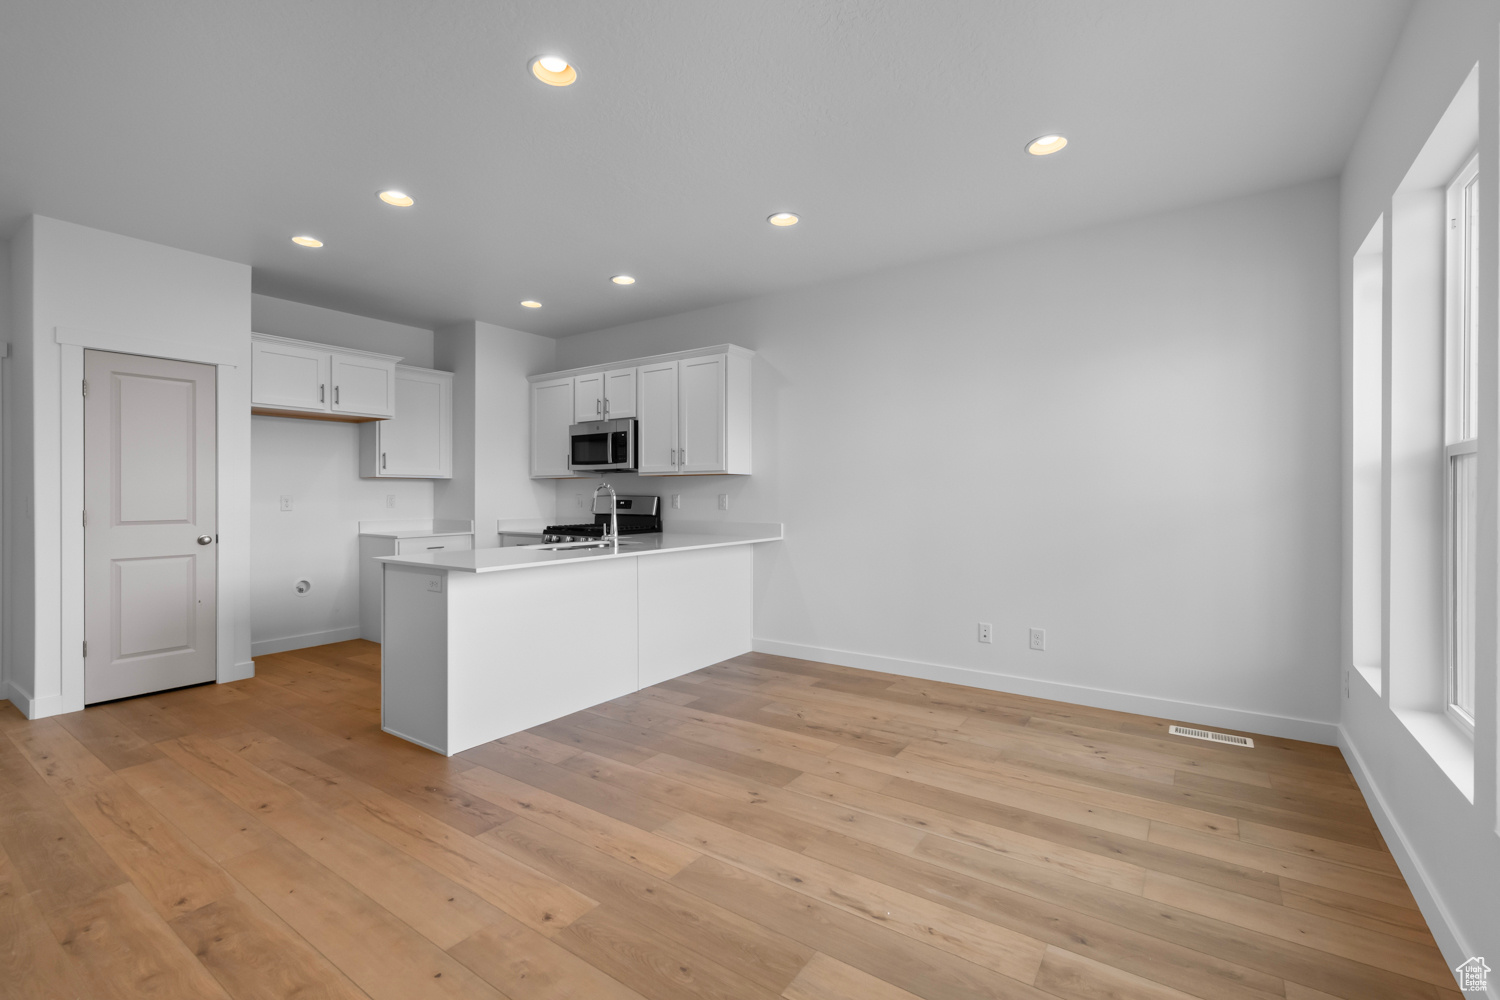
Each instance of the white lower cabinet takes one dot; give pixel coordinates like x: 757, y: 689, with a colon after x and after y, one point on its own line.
x: 370, y: 574
x: 417, y: 443
x: 551, y: 415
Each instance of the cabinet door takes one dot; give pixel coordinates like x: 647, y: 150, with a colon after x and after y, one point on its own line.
x: 700, y: 392
x: 289, y: 378
x: 551, y: 415
x: 364, y: 386
x: 656, y: 415
x: 417, y: 443
x: 588, y: 397
x: 619, y: 393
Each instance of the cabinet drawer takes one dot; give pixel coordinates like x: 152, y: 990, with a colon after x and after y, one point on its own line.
x: 440, y: 543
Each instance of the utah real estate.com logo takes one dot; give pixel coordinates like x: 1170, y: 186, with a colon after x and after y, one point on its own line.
x: 1473, y: 975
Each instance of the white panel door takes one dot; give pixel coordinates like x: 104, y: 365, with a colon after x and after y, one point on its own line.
x: 588, y: 397
x: 619, y: 393
x: 363, y: 385
x: 656, y: 416
x: 551, y: 415
x: 700, y: 393
x: 150, y: 536
x: 286, y: 377
x: 418, y: 440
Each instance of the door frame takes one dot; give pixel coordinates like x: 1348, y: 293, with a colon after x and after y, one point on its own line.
x: 232, y: 474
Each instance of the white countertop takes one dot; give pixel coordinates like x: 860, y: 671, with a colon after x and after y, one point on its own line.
x: 527, y: 557
x: 415, y: 528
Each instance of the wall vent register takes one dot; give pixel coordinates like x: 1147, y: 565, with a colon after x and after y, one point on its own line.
x: 1204, y: 734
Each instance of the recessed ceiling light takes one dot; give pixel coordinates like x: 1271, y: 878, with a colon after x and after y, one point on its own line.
x: 553, y: 71
x: 531, y: 304
x: 783, y: 219
x: 306, y: 241
x: 623, y: 279
x: 398, y: 198
x: 1044, y: 144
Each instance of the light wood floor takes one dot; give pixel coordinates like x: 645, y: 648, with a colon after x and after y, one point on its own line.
x: 763, y: 828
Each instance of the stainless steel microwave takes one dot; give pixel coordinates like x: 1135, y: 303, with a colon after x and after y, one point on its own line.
x: 602, y: 446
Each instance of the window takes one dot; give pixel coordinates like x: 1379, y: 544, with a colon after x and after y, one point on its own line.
x: 1461, y: 445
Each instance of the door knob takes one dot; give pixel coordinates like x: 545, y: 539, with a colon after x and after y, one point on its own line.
x: 205, y: 539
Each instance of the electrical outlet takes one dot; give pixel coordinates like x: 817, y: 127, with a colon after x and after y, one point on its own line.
x: 578, y: 500
x: 390, y: 499
x: 986, y: 632
x: 676, y: 501
x: 723, y: 501
x: 1037, y: 638
x: 435, y: 584
x: 286, y: 502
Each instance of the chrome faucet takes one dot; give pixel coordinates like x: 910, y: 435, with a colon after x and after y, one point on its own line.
x: 613, y: 533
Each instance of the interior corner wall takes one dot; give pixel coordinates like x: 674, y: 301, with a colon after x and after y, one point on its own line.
x: 122, y: 294
x: 1447, y: 846
x: 492, y: 420
x: 1126, y: 436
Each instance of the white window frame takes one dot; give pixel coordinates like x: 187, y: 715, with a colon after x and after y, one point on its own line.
x: 1460, y: 442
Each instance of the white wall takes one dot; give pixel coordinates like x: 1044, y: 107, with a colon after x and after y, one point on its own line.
x: 316, y: 463
x: 97, y: 289
x: 1448, y: 846
x: 491, y: 425
x: 1126, y: 436
x: 283, y: 318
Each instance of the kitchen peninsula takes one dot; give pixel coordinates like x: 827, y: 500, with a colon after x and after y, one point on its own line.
x: 482, y: 644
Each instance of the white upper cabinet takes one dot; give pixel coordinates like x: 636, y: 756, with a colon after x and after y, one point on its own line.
x: 656, y: 427
x: 588, y: 397
x: 289, y: 376
x: 293, y: 377
x: 692, y: 411
x: 619, y: 393
x: 552, y: 413
x: 700, y: 420
x: 418, y: 442
x: 363, y: 385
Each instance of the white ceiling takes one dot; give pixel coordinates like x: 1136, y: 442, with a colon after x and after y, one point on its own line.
x: 894, y: 128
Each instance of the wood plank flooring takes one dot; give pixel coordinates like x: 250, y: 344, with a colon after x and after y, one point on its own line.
x: 762, y: 828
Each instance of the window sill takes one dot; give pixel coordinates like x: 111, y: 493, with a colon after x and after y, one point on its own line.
x: 1449, y: 746
x: 1371, y: 676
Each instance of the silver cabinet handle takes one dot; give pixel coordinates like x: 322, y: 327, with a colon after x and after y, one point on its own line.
x: 205, y: 539
x: 431, y: 547
x: 682, y: 456
x: 382, y: 460
x: 335, y: 395
x: 322, y: 386
x: 569, y: 460
x: 598, y: 406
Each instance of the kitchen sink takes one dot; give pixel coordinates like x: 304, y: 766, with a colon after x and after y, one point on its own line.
x: 572, y: 546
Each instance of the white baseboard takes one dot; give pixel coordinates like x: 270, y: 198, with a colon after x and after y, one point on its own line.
x: 1286, y: 726
x: 266, y: 646
x: 31, y: 707
x: 1439, y: 920
x: 239, y: 672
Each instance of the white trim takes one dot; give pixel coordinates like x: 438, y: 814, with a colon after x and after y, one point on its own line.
x: 129, y: 343
x: 269, y: 338
x: 266, y: 646
x: 1439, y: 921
x: 32, y: 708
x: 1285, y: 726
